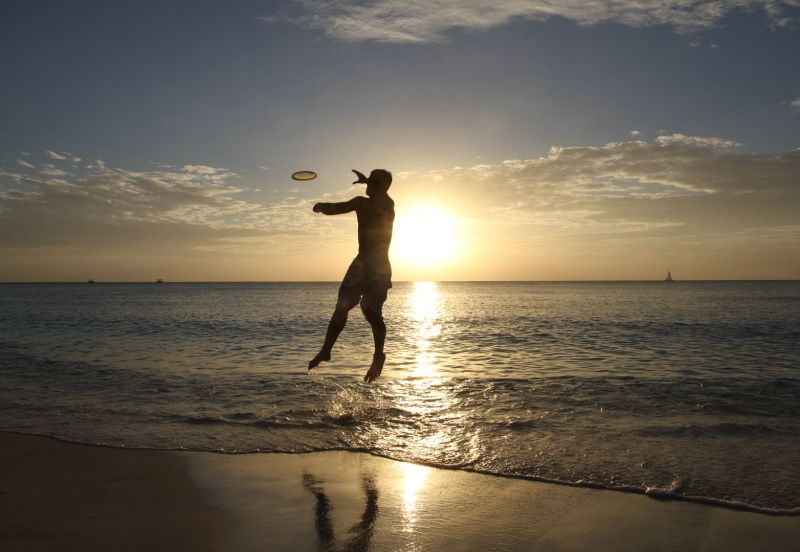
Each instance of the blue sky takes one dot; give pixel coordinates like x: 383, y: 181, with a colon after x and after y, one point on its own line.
x: 256, y: 90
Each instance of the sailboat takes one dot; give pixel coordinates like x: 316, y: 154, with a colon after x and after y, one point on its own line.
x: 669, y: 277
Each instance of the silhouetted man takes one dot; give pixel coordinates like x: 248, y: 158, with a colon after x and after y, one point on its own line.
x: 370, y: 274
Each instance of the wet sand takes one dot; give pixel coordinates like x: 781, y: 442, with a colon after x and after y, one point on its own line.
x: 63, y: 496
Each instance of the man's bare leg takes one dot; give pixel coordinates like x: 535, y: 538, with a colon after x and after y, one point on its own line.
x: 335, y: 327
x: 375, y: 320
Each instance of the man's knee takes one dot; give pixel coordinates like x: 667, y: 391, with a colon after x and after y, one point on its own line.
x: 372, y: 305
x: 371, y: 312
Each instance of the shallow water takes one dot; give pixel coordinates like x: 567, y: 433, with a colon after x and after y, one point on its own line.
x: 689, y: 389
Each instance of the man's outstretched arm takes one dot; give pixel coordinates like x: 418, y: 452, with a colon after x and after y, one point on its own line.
x: 337, y: 208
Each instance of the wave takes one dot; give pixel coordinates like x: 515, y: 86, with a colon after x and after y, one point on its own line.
x: 246, y: 420
x: 722, y: 428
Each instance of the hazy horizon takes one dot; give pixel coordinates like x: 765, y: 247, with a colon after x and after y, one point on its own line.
x: 528, y: 141
x: 93, y: 281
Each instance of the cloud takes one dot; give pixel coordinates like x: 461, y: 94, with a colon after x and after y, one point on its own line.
x: 417, y: 21
x: 621, y: 209
x: 52, y: 170
x: 23, y: 163
x: 635, y: 133
x: 54, y: 155
x: 63, y: 156
x: 717, y: 143
x: 795, y: 104
x: 676, y: 184
x: 100, y: 206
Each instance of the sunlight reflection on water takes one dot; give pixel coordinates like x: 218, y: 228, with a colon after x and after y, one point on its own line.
x: 427, y: 392
x: 425, y: 301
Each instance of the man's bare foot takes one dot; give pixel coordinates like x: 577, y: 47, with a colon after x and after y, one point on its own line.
x: 321, y: 357
x: 377, y: 367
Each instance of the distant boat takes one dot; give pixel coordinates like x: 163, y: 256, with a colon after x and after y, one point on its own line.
x: 159, y: 281
x: 669, y: 277
x: 90, y: 281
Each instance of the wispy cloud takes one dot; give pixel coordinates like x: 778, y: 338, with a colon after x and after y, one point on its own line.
x: 100, y: 205
x: 63, y: 156
x: 51, y: 170
x: 678, y: 180
x: 56, y: 156
x: 430, y: 20
x: 704, y: 141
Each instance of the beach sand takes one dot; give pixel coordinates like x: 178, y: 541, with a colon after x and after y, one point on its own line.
x: 63, y: 496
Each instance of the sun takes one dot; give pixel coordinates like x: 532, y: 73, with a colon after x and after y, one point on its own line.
x: 424, y: 236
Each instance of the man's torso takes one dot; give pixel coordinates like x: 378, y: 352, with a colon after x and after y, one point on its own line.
x: 375, y: 221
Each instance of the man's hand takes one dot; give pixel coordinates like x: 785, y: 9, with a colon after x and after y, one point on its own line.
x: 317, y: 207
x: 361, y: 178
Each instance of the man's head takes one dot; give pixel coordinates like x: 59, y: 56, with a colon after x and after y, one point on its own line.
x: 378, y: 182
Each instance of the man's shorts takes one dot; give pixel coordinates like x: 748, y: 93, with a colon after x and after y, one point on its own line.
x: 367, y: 281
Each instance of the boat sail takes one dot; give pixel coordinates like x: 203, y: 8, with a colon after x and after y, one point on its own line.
x: 669, y: 277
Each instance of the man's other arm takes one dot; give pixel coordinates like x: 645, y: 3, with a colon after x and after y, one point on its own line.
x: 338, y: 208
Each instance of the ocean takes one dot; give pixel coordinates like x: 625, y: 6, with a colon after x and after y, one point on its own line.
x: 687, y: 390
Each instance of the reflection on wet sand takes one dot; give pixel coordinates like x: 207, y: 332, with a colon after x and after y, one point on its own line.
x: 413, y: 482
x: 360, y: 539
x: 298, y: 501
x: 360, y: 533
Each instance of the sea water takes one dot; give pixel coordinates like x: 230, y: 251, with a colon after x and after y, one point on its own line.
x: 685, y: 389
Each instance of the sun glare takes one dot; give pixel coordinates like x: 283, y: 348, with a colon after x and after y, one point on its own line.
x: 424, y: 236
x: 414, y: 480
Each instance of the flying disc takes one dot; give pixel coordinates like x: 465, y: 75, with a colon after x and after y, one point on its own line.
x: 304, y: 175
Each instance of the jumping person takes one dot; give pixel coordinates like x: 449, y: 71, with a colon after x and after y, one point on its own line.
x: 370, y: 274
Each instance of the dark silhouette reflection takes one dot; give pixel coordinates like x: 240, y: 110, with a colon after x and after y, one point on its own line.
x: 360, y: 533
x: 370, y: 274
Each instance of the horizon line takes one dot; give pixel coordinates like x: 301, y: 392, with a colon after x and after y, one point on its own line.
x: 396, y: 282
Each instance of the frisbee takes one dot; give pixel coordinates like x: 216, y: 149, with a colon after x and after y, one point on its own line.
x: 304, y: 175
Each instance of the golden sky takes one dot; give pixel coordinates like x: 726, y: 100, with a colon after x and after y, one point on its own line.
x: 530, y: 141
x: 626, y: 210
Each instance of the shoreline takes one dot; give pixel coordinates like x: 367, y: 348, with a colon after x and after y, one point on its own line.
x: 653, y: 493
x: 58, y: 494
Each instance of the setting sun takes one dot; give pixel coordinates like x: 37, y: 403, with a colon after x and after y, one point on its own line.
x: 424, y: 236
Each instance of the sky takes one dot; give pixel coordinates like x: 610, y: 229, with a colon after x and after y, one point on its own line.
x: 529, y: 139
